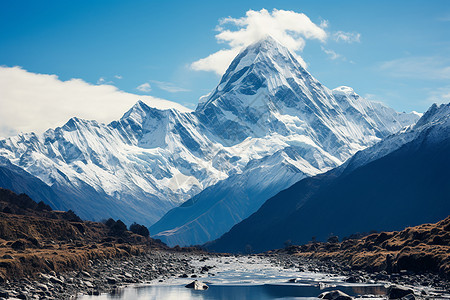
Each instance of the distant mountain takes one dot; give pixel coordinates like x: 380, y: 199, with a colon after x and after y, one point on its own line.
x: 20, y: 181
x: 268, y: 124
x: 135, y: 168
x: 401, y: 181
x: 273, y: 115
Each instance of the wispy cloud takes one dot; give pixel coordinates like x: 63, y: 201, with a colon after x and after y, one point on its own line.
x: 118, y: 76
x: 324, y: 23
x: 347, y: 37
x: 169, y: 87
x: 145, y: 87
x: 102, y: 80
x: 419, y: 67
x: 331, y: 54
x: 288, y: 27
x: 439, y: 95
x: 444, y: 18
x: 36, y: 102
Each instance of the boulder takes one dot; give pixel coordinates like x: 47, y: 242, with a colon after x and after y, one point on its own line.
x: 354, y: 279
x: 111, y: 280
x: 18, y: 245
x: 197, y: 285
x: 335, y: 295
x: 398, y: 292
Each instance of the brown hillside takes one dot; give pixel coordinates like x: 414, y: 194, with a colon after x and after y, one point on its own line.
x: 423, y: 248
x: 34, y: 239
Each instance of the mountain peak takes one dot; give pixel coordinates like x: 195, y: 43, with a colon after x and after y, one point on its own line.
x: 267, y: 49
x: 264, y: 64
x: 343, y: 90
x: 267, y: 42
x: 434, y: 114
x: 154, y: 107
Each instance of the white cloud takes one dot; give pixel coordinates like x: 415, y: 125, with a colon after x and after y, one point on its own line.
x: 118, y: 76
x: 324, y: 24
x: 333, y: 55
x: 371, y: 97
x: 169, y: 86
x: 347, y: 37
x: 36, y: 102
x: 145, y: 87
x: 102, y: 80
x: 288, y: 27
x: 217, y: 62
x: 419, y: 67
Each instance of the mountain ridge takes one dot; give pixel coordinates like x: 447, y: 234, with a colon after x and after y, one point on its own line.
x: 401, y: 181
x: 312, y: 130
x: 152, y: 160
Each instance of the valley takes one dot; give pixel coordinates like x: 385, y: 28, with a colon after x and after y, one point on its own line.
x: 274, y: 186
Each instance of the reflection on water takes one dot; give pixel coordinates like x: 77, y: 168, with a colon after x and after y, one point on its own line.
x: 234, y: 292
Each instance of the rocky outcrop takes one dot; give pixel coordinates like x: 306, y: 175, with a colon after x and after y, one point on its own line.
x: 35, y: 239
x: 335, y: 295
x: 423, y: 248
x: 197, y: 285
x: 398, y: 292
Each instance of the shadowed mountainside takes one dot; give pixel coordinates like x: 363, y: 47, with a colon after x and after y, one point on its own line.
x: 402, y: 181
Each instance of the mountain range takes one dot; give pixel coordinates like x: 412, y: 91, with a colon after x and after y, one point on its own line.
x: 194, y: 174
x: 267, y: 104
x: 404, y: 180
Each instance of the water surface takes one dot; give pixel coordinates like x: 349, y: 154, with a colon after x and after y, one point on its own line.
x: 235, y: 292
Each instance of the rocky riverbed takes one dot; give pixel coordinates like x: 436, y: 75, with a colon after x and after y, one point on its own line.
x: 102, y: 276
x: 424, y: 284
x: 164, y: 267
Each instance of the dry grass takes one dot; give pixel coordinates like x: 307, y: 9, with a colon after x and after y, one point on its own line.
x: 421, y: 248
x: 39, y: 245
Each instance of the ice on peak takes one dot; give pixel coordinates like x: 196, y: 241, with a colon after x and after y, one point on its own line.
x: 76, y: 122
x: 434, y: 113
x: 266, y: 49
x: 136, y: 112
x: 267, y: 42
x: 141, y: 110
x: 343, y: 90
x: 204, y: 98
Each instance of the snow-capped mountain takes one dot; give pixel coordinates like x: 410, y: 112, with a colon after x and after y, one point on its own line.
x: 404, y: 180
x: 268, y: 124
x: 267, y: 104
x: 145, y: 163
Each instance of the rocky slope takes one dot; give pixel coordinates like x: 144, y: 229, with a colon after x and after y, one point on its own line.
x: 401, y: 181
x: 423, y: 248
x: 35, y: 239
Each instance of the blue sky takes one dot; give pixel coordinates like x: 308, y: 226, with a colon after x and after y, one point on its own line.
x: 398, y: 51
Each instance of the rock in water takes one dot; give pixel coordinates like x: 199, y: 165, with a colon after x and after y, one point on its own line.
x: 398, y: 292
x: 197, y: 285
x: 335, y: 295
